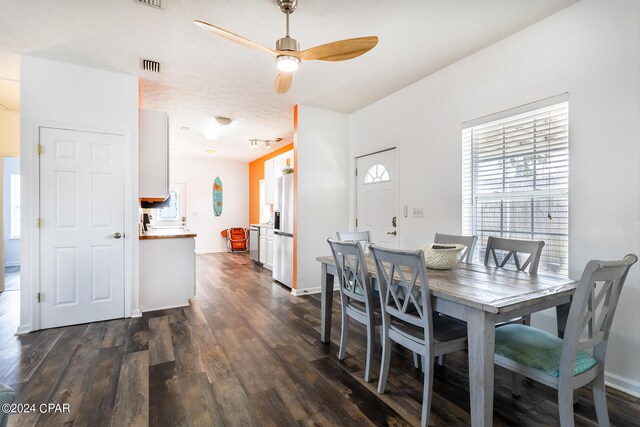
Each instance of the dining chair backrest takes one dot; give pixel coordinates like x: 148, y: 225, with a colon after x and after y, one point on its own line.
x: 404, y: 287
x: 469, y: 241
x: 512, y: 248
x: 363, y: 237
x: 592, y: 310
x: 352, y: 271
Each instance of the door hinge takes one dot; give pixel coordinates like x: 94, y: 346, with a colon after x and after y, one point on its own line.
x: 39, y: 148
x: 39, y: 223
x: 39, y: 297
x: 356, y: 222
x: 356, y: 171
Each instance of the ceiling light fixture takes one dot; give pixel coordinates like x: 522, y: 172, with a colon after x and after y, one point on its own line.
x: 255, y: 143
x: 211, y: 152
x: 214, y: 128
x: 287, y: 63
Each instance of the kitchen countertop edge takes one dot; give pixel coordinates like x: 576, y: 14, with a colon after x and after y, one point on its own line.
x: 149, y: 235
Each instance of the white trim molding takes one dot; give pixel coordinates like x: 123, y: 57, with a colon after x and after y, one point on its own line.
x: 306, y: 291
x: 623, y: 384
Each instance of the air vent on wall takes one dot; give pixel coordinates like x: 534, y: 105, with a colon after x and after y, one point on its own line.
x: 149, y: 65
x: 158, y: 4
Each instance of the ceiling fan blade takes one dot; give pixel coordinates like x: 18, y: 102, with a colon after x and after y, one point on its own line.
x: 233, y: 37
x: 340, y: 50
x: 283, y: 82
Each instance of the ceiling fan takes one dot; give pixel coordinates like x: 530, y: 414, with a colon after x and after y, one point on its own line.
x: 287, y: 53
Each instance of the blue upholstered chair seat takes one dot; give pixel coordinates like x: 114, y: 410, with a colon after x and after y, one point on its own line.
x: 537, y: 349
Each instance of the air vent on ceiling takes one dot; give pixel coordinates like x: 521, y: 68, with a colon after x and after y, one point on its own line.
x: 149, y: 65
x: 158, y: 4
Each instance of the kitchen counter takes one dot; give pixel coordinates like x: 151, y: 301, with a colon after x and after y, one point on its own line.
x: 166, y: 234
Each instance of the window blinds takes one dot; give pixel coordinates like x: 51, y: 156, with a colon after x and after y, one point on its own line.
x: 516, y: 179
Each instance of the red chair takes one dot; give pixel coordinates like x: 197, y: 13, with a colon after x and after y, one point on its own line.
x: 237, y: 239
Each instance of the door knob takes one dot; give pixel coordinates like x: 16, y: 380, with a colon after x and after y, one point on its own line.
x: 392, y: 233
x: 117, y: 235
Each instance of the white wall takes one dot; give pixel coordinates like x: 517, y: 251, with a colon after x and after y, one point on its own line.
x: 58, y: 94
x: 590, y: 50
x: 198, y: 175
x: 11, y: 165
x: 323, y: 194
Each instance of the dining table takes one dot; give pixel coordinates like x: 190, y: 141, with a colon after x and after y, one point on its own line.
x: 481, y: 296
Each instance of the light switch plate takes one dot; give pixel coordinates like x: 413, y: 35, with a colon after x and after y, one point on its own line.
x: 418, y: 212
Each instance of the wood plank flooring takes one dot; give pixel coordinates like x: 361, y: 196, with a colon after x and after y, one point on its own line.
x: 244, y: 353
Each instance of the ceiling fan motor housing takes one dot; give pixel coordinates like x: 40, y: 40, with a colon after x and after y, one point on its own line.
x: 288, y: 44
x: 287, y: 6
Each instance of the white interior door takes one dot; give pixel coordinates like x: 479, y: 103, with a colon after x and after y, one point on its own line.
x: 82, y: 221
x: 376, y: 197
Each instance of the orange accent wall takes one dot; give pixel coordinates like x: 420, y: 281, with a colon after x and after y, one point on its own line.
x: 295, y: 197
x: 256, y: 173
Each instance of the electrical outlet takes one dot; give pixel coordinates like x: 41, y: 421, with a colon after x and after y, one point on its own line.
x: 418, y: 212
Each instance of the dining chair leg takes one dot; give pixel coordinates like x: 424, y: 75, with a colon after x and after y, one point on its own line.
x: 516, y: 384
x: 527, y: 319
x: 344, y: 335
x: 416, y: 362
x: 565, y: 405
x: 384, y: 364
x: 370, y: 342
x: 428, y: 385
x: 442, y: 359
x: 600, y: 399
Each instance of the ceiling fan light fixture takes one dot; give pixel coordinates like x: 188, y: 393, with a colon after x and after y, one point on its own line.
x: 287, y: 63
x: 267, y: 145
x: 223, y: 121
x: 253, y: 143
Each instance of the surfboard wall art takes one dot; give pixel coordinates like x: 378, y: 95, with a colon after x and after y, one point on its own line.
x: 217, y: 197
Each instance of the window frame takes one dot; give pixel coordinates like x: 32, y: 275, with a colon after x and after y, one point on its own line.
x: 505, y: 194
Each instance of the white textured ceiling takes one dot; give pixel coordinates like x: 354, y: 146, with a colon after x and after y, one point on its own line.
x: 204, y: 75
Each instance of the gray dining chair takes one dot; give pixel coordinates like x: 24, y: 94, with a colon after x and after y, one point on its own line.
x: 358, y: 299
x: 407, y: 316
x: 355, y: 236
x: 502, y: 251
x: 579, y: 358
x: 469, y: 241
x: 7, y: 396
x: 504, y: 254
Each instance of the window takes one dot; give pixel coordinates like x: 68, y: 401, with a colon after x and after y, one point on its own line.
x: 170, y: 213
x: 376, y: 173
x: 516, y: 179
x: 15, y: 205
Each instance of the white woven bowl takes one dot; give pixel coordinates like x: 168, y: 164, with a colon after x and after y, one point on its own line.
x: 443, y: 257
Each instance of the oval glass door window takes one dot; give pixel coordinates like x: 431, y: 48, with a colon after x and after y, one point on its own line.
x: 376, y: 173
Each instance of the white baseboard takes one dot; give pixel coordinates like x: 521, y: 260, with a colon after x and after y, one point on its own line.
x: 136, y: 312
x: 23, y: 329
x: 312, y: 290
x: 12, y: 264
x: 210, y: 251
x: 623, y: 384
x: 307, y: 291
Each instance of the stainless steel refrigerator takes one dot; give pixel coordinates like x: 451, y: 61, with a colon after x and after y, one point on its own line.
x: 283, y: 231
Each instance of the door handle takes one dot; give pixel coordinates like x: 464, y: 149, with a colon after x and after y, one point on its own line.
x: 117, y: 235
x: 392, y: 233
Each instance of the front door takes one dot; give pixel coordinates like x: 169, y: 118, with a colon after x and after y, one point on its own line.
x: 376, y: 197
x: 81, y: 226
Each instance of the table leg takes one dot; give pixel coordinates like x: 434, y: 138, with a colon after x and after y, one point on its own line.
x: 482, y: 334
x: 326, y: 304
x: 562, y: 314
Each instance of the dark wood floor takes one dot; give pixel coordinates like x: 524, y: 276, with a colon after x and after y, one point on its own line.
x: 245, y: 353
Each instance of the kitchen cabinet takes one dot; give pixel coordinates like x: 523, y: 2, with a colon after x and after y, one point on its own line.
x: 154, y: 155
x: 268, y: 181
x: 266, y: 247
x: 263, y: 248
x: 167, y: 269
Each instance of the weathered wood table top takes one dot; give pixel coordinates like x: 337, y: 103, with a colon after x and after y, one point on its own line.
x: 491, y: 289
